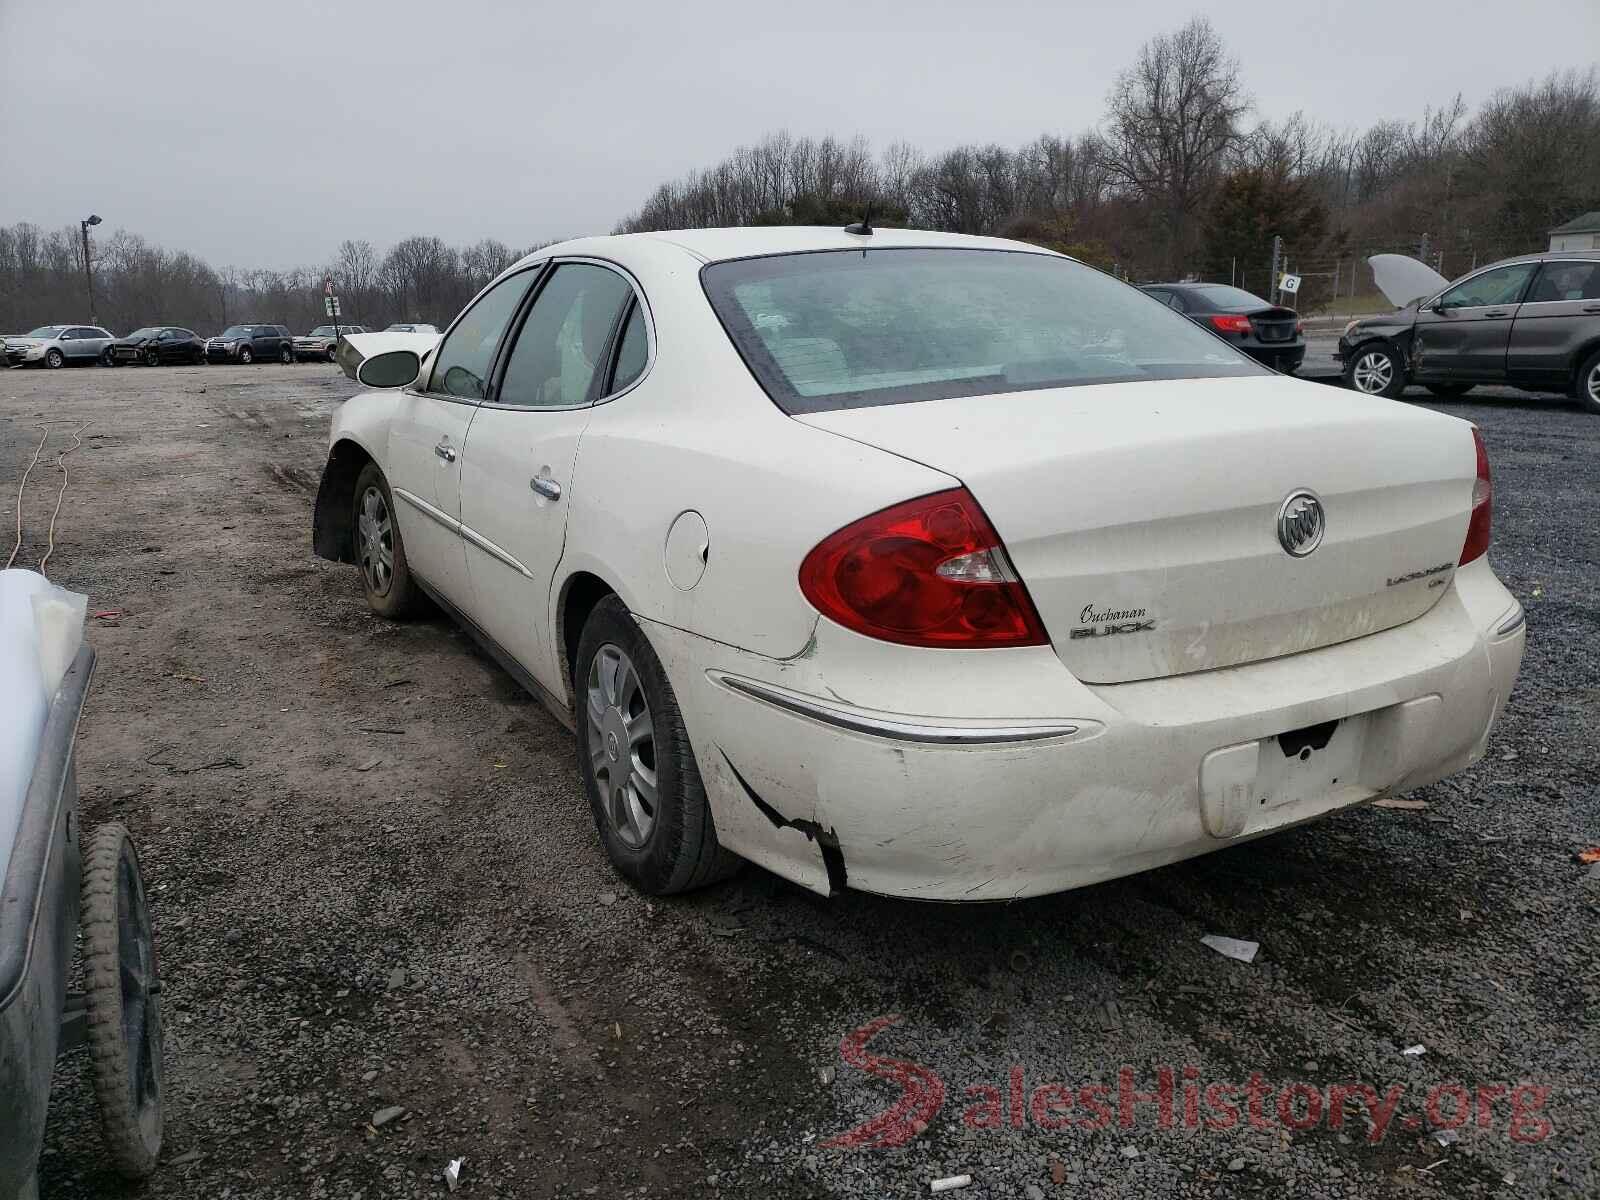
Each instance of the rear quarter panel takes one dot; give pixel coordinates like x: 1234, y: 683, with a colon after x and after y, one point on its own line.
x: 699, y: 434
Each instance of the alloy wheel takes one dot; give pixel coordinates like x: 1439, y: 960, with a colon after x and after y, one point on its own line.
x: 622, y: 745
x: 1594, y: 385
x: 375, y: 530
x: 1374, y: 371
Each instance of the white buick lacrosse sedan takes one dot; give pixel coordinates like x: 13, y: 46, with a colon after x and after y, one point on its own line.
x: 935, y: 566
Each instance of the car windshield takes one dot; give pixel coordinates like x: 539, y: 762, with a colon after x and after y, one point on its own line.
x: 48, y: 331
x: 1222, y: 298
x: 236, y: 331
x: 322, y: 331
x: 857, y: 328
x: 145, y: 333
x: 401, y: 329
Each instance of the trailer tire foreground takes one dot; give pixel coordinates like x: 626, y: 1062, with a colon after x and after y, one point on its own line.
x: 123, y: 1002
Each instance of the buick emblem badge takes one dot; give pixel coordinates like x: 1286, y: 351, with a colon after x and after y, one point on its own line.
x: 1301, y: 524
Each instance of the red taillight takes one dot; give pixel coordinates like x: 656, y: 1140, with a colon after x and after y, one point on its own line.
x: 1231, y: 324
x: 1299, y: 326
x: 929, y: 572
x: 1477, y: 542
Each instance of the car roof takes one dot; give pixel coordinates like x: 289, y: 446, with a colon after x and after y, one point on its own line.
x: 720, y: 245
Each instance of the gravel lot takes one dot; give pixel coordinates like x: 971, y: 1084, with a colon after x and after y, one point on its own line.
x: 376, y: 884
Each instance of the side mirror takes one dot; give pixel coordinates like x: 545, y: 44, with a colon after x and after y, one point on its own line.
x: 1440, y: 307
x: 391, y: 369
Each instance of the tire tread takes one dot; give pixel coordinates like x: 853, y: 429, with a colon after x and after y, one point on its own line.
x: 108, y: 1052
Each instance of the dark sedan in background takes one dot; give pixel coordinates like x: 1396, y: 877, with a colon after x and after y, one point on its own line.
x: 156, y: 345
x: 1269, y: 333
x: 1531, y: 322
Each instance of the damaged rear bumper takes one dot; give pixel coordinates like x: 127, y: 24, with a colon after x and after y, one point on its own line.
x: 994, y: 774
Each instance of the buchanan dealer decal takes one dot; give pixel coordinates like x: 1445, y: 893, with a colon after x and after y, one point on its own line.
x: 1109, y: 622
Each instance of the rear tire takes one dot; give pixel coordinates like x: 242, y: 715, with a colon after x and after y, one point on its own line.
x: 1586, y: 384
x: 108, y: 358
x: 1448, y: 391
x: 122, y: 993
x: 286, y: 356
x: 1375, y: 369
x: 635, y: 760
x: 380, y: 552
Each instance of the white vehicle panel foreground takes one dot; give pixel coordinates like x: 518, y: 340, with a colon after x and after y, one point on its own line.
x: 1235, y: 603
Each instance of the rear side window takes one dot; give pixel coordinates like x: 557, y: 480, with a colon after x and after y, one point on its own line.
x: 858, y: 328
x: 632, y: 352
x: 1566, y: 281
x: 565, y: 338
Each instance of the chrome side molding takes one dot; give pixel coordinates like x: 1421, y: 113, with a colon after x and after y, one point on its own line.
x: 924, y: 730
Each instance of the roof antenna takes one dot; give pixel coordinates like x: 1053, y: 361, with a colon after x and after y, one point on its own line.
x: 863, y: 226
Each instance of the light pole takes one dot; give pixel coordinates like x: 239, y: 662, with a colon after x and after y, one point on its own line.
x: 88, y: 276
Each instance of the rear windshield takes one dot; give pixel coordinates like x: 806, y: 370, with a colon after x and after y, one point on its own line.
x: 858, y: 328
x: 1220, y: 297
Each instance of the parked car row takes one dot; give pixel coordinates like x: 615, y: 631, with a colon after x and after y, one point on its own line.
x: 157, y: 345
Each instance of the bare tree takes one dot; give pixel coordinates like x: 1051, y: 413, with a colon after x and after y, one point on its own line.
x: 1171, y: 119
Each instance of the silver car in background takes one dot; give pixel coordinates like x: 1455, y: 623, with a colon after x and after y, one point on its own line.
x: 58, y: 345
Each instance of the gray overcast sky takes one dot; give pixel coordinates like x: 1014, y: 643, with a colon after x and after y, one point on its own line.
x: 263, y: 134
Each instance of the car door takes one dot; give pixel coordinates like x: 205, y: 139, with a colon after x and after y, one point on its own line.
x: 78, y: 343
x: 1464, y: 332
x: 522, y: 448
x: 429, y: 433
x: 166, y: 343
x: 1558, y: 320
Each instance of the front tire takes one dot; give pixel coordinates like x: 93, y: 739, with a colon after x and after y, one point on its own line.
x: 637, y: 765
x: 152, y: 358
x: 1375, y: 370
x: 1586, y: 384
x: 54, y: 359
x: 247, y: 356
x: 122, y: 994
x: 1448, y: 391
x: 380, y: 553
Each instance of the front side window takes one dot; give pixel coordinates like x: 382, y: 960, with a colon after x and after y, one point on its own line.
x: 1503, y: 285
x: 858, y: 328
x: 461, y: 367
x: 563, y: 342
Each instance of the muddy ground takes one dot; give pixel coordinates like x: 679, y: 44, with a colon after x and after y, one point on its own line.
x: 376, y: 884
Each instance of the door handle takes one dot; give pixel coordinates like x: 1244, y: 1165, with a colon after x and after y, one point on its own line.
x: 1496, y: 312
x: 444, y: 451
x: 546, y: 487
x: 1591, y: 308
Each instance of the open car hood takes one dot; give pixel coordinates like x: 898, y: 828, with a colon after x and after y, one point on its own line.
x: 356, y: 348
x: 1403, y: 279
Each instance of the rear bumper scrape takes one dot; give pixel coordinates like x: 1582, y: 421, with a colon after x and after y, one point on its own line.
x: 827, y: 841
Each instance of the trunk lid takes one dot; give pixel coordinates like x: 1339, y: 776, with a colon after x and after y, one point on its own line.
x: 1275, y: 324
x: 1144, y: 517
